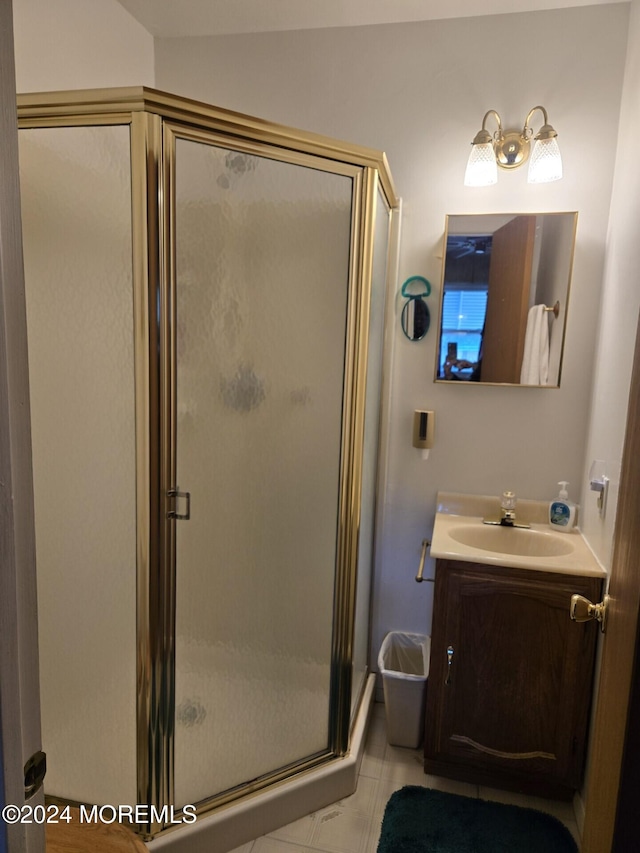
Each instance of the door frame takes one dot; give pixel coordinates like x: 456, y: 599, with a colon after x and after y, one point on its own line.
x: 19, y: 682
x: 606, y: 785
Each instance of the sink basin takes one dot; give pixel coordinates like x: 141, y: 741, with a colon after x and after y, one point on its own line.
x: 460, y: 535
x: 509, y: 540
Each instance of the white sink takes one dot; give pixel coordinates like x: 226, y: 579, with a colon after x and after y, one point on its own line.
x: 459, y: 534
x: 512, y: 540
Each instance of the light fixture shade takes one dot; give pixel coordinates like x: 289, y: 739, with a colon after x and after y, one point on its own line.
x: 482, y: 169
x: 545, y: 164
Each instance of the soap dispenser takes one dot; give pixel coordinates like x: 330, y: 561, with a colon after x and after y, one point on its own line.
x: 562, y: 511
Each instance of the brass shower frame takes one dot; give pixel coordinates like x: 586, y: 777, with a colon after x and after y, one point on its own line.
x: 156, y: 119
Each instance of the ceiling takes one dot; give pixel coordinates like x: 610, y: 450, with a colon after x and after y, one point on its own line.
x: 167, y: 18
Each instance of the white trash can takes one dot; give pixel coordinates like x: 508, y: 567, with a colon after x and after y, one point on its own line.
x: 404, y: 664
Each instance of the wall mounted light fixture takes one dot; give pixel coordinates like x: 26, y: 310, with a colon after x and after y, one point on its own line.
x: 510, y: 149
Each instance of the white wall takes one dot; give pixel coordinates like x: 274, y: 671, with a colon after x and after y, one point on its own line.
x: 419, y: 92
x: 618, y: 310
x: 79, y: 44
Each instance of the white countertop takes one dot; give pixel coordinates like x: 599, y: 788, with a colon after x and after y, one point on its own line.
x: 456, y: 509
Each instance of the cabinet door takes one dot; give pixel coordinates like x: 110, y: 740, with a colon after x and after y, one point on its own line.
x: 512, y: 695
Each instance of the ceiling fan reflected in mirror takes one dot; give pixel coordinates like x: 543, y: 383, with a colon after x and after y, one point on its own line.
x: 459, y: 246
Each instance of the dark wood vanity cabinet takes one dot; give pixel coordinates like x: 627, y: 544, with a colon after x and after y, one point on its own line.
x: 510, y: 678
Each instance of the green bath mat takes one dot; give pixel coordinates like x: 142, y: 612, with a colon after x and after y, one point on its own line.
x: 421, y: 820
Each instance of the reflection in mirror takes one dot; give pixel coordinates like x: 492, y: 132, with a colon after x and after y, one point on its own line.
x: 504, y: 297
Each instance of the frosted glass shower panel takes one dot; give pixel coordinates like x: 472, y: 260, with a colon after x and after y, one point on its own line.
x: 262, y: 270
x: 76, y: 212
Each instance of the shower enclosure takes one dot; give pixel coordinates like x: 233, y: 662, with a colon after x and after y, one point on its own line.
x: 206, y: 298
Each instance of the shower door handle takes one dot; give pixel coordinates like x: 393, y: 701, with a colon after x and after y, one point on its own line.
x: 177, y: 495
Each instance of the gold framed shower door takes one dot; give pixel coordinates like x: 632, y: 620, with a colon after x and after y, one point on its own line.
x: 156, y: 121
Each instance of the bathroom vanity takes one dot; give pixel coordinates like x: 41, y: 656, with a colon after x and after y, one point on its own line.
x: 510, y: 678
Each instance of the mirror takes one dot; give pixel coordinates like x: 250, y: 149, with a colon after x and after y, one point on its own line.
x: 504, y: 298
x: 415, y: 319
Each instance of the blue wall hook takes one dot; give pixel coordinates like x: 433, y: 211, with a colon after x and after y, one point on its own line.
x: 410, y: 280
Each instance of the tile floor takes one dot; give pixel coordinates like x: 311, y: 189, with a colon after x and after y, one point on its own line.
x: 353, y: 824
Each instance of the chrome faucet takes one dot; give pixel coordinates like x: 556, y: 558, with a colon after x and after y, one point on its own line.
x: 507, y: 513
x: 508, y: 509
